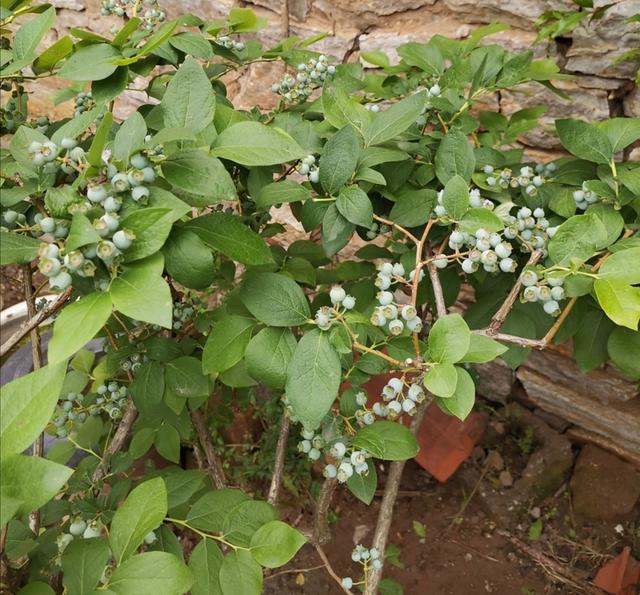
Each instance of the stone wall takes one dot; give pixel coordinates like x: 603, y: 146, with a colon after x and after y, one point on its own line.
x: 600, y: 89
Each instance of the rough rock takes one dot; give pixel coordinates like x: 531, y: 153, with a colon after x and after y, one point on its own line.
x: 603, y: 487
x: 495, y: 380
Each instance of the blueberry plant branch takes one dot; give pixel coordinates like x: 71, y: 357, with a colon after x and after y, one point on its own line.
x: 26, y: 327
x: 321, y: 531
x: 214, y: 465
x: 278, y: 465
x: 36, y: 358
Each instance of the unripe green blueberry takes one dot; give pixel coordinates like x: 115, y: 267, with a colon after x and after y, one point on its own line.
x: 150, y: 538
x: 337, y: 294
x: 414, y: 325
x: 49, y: 267
x: 469, y: 266
x: 136, y: 177
x: 345, y: 471
x: 330, y: 471
x: 62, y: 541
x: 120, y: 182
x: 347, y: 582
x: 440, y: 261
x: 314, y: 176
x: 10, y: 216
x: 123, y: 239
x: 106, y: 250
x: 77, y: 154
x: 101, y: 227
x: 68, y: 143
x: 112, y: 204
x: 149, y: 175
x: 49, y: 151
x: 551, y: 307
x: 314, y: 454
x: 529, y: 278
x: 304, y: 446
x: 96, y: 193
x: 48, y: 225
x: 140, y: 193
x: 35, y: 147
x: 60, y: 281
x: 77, y: 528
x: 349, y: 302
x: 92, y: 531
x: 507, y: 265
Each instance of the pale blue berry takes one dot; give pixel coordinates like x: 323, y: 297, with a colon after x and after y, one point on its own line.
x: 337, y: 295
x: 48, y: 225
x: 139, y: 193
x: 551, y: 307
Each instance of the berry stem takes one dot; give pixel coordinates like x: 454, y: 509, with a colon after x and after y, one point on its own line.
x: 401, y: 229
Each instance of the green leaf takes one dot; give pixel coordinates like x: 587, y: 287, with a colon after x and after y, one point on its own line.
x: 151, y: 228
x: 339, y: 159
x: 184, y: 378
x: 17, y: 248
x: 130, y: 137
x: 281, y: 192
x: 426, y: 56
x: 623, y: 347
x: 226, y: 344
x: 81, y: 233
x: 167, y: 443
x: 240, y: 573
x: 188, y: 260
x: 94, y: 154
x: 147, y: 387
x: 151, y: 573
x: 244, y: 519
x: 202, y: 177
x: 142, y: 512
x: 387, y: 440
x: 441, y: 379
x: 182, y: 485
x: 142, y: 294
x: 269, y: 354
x: 393, y: 121
x: 90, y: 63
x: 454, y: 156
x: 621, y: 132
x: 622, y: 266
x: 77, y: 324
x: 192, y: 43
x: 209, y: 512
x: 449, y: 339
x: 620, y: 301
x: 189, y: 101
x: 26, y: 406
x: 340, y: 109
x: 275, y: 543
x: 83, y: 563
x: 275, y: 299
x: 32, y: 481
x: 313, y: 378
x: 483, y: 349
x: 205, y: 563
x: 413, y: 208
x: 577, y: 238
x: 354, y: 205
x: 229, y: 235
x: 611, y: 219
x: 455, y: 197
x: 474, y: 219
x: 29, y: 35
x: 8, y: 507
x: 585, y: 140
x: 36, y: 588
x: 252, y: 143
x: 590, y: 340
x: 336, y: 231
x: 363, y: 487
x: 462, y: 401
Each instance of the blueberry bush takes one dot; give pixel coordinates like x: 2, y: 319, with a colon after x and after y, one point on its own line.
x: 157, y: 234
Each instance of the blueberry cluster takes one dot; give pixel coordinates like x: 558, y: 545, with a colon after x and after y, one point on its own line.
x: 111, y: 398
x: 433, y: 90
x: 347, y: 462
x: 375, y: 229
x: 308, y: 167
x: 13, y: 111
x: 133, y: 362
x: 151, y: 16
x: 340, y: 300
x: 529, y: 179
x: 584, y: 197
x: 369, y: 558
x: 71, y: 410
x: 530, y: 228
x: 12, y: 219
x: 226, y: 42
x: 482, y: 248
x: 396, y: 317
x: 309, y: 76
x: 84, y: 102
x: 548, y: 290
x: 399, y: 397
x: 130, y: 182
x: 78, y: 529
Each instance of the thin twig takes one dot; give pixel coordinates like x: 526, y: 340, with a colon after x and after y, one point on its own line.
x: 555, y: 570
x: 321, y: 531
x: 284, y: 16
x: 330, y: 570
x: 278, y: 465
x: 385, y: 515
x: 502, y: 313
x: 420, y: 244
x: 295, y: 571
x: 441, y: 307
x: 35, y: 321
x: 36, y: 356
x: 401, y: 229
x: 214, y: 465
